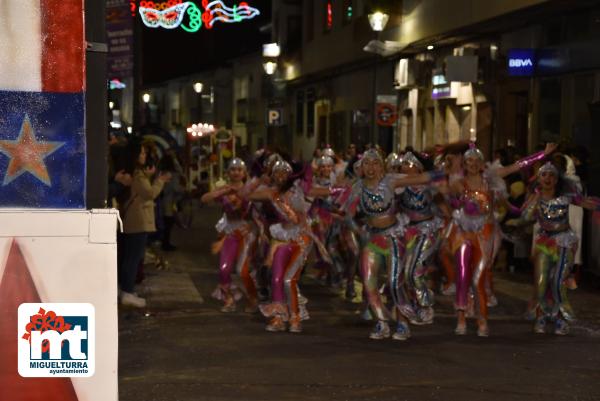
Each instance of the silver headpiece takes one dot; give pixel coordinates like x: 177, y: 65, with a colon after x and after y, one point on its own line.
x: 411, y: 160
x: 474, y: 152
x: 328, y: 152
x: 393, y: 160
x: 282, y: 165
x: 372, y: 154
x: 325, y: 161
x: 272, y: 159
x: 236, y: 162
x: 548, y: 167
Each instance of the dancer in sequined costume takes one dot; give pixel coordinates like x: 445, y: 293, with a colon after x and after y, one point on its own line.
x: 554, y: 245
x: 473, y: 233
x: 382, y: 248
x: 322, y: 215
x: 291, y: 242
x: 421, y: 238
x: 238, y: 239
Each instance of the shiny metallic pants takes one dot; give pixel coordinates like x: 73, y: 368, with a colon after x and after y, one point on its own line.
x: 473, y: 255
x: 236, y: 252
x: 419, y: 249
x: 288, y: 261
x: 552, y: 267
x: 382, y: 252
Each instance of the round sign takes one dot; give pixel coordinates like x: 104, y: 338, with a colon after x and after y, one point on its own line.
x: 386, y: 114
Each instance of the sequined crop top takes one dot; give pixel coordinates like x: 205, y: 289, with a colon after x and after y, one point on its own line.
x: 417, y: 202
x: 553, y: 214
x: 234, y: 207
x: 378, y: 201
x: 477, y: 203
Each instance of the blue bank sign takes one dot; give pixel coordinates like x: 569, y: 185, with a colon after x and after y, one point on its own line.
x: 521, y: 62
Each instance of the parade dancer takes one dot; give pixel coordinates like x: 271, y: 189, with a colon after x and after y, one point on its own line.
x: 421, y: 240
x: 263, y: 215
x: 473, y: 235
x: 554, y: 245
x: 290, y: 246
x: 373, y: 196
x: 321, y: 214
x: 452, y: 163
x: 238, y: 239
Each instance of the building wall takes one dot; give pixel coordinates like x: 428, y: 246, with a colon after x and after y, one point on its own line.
x: 422, y: 19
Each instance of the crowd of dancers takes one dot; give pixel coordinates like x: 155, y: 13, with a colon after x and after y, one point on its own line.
x: 389, y: 223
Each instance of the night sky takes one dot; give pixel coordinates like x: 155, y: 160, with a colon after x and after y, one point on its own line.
x: 172, y: 53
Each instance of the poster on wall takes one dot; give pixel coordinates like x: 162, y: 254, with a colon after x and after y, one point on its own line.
x: 42, y: 104
x: 58, y: 299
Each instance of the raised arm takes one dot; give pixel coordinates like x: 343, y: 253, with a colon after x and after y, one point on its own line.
x: 526, y: 161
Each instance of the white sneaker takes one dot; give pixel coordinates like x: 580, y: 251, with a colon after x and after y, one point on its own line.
x: 130, y: 299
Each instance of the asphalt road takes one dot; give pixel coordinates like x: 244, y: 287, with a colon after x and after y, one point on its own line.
x: 182, y: 348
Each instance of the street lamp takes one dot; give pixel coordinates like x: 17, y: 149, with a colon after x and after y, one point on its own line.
x: 378, y: 20
x: 270, y: 67
x: 198, y: 87
x: 146, y: 97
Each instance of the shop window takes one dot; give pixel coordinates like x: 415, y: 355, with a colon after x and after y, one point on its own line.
x: 549, y: 109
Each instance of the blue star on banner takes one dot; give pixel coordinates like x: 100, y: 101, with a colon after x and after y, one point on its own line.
x: 42, y: 150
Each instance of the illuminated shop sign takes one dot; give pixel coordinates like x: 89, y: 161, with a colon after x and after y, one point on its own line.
x: 441, y: 92
x: 521, y: 62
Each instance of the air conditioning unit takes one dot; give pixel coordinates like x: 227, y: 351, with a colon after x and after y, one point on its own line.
x: 405, y: 73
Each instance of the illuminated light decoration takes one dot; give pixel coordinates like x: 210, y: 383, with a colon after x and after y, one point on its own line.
x: 169, y: 18
x: 116, y: 84
x: 217, y: 11
x: 201, y: 129
x: 329, y: 15
x: 195, y: 16
x: 170, y: 14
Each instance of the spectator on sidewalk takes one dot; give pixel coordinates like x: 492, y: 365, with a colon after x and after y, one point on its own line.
x: 136, y: 206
